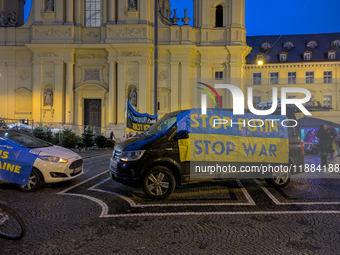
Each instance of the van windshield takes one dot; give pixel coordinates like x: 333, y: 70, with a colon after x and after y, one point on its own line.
x: 162, y: 125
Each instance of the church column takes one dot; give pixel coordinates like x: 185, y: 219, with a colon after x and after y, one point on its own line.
x: 69, y: 12
x: 112, y: 92
x: 59, y: 10
x: 3, y: 89
x: 142, y: 11
x: 37, y: 5
x: 174, y: 86
x: 11, y: 90
x: 185, y: 85
x: 58, y: 101
x: 121, y: 97
x: 78, y: 11
x: 143, y: 92
x: 36, y: 91
x: 69, y: 105
x: 121, y: 12
x: 112, y: 12
x: 103, y: 11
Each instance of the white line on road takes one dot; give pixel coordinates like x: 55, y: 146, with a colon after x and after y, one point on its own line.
x: 133, y: 204
x: 277, y: 202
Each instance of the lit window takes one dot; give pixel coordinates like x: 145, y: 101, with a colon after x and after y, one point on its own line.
x: 312, y: 44
x: 309, y: 77
x: 291, y: 77
x: 218, y: 75
x: 336, y: 43
x: 219, y: 16
x: 331, y: 55
x: 283, y: 57
x: 92, y: 13
x: 274, y: 78
x: 266, y: 46
x: 257, y: 78
x: 307, y: 56
x: 288, y: 45
x: 327, y: 101
x: 327, y: 77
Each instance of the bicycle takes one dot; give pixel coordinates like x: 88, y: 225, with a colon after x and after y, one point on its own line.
x: 12, y: 227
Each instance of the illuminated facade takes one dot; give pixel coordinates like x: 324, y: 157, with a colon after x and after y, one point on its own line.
x: 78, y: 61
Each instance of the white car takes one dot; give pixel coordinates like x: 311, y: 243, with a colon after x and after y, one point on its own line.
x: 53, y: 164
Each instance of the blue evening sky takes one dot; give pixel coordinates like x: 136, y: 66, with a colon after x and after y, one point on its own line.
x: 272, y: 17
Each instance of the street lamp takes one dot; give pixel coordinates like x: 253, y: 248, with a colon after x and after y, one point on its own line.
x: 260, y: 62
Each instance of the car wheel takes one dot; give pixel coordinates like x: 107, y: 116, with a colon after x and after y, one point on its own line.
x: 34, y: 183
x: 279, y: 180
x: 159, y: 182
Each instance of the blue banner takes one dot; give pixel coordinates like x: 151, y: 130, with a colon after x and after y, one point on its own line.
x: 16, y: 162
x: 138, y: 122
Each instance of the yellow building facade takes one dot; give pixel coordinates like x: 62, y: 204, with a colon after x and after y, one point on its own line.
x: 78, y: 61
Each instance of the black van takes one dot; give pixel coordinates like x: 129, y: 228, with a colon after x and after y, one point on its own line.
x: 152, y: 159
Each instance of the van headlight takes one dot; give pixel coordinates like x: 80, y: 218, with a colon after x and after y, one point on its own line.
x: 131, y: 155
x: 53, y: 159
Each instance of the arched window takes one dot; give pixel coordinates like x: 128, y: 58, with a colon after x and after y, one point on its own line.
x: 336, y: 43
x: 219, y: 16
x: 312, y: 44
x: 288, y: 45
x: 92, y: 13
x: 266, y: 46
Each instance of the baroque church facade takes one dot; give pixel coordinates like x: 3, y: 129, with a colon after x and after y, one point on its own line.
x: 78, y: 61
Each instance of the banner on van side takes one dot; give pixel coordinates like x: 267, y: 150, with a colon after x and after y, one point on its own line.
x: 221, y: 137
x: 138, y: 122
x: 16, y: 162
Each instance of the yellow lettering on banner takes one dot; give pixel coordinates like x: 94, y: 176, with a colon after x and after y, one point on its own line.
x: 253, y: 124
x: 10, y: 167
x: 4, y: 154
x: 192, y: 117
x: 274, y: 126
x: 211, y: 121
x: 17, y: 169
x: 226, y: 124
x: 146, y: 127
x: 184, y: 149
x: 204, y: 120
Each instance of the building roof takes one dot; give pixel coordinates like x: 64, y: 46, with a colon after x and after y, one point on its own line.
x: 295, y: 54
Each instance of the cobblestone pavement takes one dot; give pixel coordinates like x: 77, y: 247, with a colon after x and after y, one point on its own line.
x: 95, y: 215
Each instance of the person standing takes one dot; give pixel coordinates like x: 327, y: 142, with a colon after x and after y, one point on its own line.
x: 324, y: 143
x: 333, y: 135
x: 111, y: 135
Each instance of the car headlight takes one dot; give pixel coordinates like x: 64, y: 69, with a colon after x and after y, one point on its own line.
x: 131, y: 155
x: 53, y: 159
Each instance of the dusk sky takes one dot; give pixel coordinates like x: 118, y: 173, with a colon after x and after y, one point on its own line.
x: 272, y: 17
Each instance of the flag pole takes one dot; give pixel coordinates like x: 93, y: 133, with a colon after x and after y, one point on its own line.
x: 155, y: 101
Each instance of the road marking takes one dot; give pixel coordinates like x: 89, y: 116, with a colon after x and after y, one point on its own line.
x: 134, y: 204
x: 277, y: 202
x: 216, y: 213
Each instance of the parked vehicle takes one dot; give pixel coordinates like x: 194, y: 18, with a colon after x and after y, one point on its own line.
x: 53, y: 163
x: 152, y: 160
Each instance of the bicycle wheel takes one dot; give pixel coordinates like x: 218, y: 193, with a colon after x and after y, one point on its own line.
x: 11, y: 225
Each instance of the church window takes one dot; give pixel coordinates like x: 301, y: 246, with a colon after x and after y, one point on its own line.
x: 312, y: 44
x: 92, y: 13
x: 219, y: 16
x: 266, y: 46
x: 336, y: 43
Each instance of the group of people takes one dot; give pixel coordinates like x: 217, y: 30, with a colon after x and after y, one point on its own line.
x: 329, y: 141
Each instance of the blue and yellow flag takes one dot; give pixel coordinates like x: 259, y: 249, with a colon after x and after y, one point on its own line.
x: 220, y: 136
x: 16, y: 162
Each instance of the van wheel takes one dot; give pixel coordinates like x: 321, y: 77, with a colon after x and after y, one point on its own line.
x: 279, y: 180
x: 34, y: 183
x: 159, y: 182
